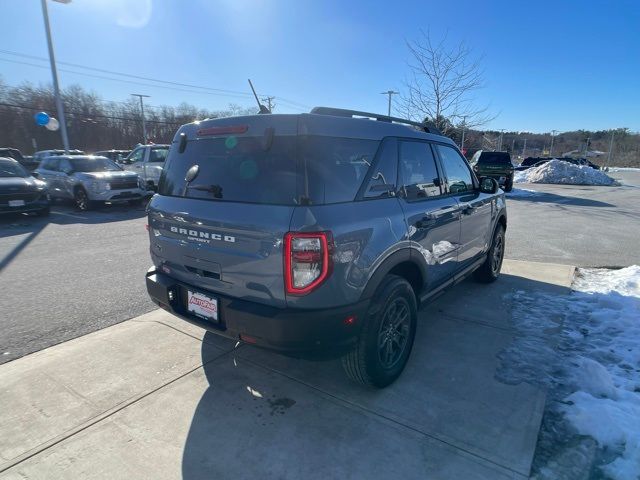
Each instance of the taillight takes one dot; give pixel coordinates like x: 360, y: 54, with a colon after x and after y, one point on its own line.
x: 307, y: 261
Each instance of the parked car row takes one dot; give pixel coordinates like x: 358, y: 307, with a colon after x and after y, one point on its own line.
x: 28, y: 184
x: 537, y: 161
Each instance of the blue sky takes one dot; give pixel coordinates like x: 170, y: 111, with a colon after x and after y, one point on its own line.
x: 558, y: 65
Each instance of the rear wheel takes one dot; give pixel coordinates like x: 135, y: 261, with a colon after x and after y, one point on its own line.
x: 386, y: 339
x: 508, y: 186
x: 490, y: 269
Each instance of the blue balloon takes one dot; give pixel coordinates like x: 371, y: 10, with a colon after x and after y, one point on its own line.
x: 42, y: 118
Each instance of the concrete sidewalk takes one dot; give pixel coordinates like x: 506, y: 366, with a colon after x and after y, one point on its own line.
x: 155, y: 397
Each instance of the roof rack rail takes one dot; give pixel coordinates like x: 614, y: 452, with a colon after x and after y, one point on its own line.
x: 341, y: 112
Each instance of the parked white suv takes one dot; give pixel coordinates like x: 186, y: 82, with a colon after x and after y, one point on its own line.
x: 147, y: 161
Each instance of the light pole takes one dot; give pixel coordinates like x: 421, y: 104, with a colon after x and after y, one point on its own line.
x: 524, y: 148
x: 501, y: 136
x: 144, y: 126
x: 553, y: 134
x: 610, y: 149
x: 54, y: 74
x: 464, y: 124
x: 390, y: 93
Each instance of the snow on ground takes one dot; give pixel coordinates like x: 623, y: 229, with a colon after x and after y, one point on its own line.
x: 558, y: 171
x: 624, y: 169
x: 584, y: 348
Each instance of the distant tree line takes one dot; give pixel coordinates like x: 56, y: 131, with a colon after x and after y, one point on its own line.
x: 92, y: 124
x: 626, y: 144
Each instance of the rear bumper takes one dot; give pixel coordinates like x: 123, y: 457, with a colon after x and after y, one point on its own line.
x: 308, y: 333
x: 506, y: 177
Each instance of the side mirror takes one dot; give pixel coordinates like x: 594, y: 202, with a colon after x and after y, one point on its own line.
x: 489, y: 185
x: 35, y: 174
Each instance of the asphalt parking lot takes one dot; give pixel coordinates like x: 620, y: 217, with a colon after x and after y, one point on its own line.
x: 75, y: 273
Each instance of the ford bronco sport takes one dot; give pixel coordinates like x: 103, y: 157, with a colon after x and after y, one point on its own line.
x: 319, y: 233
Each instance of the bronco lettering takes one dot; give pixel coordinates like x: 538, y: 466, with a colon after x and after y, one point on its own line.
x: 197, y: 234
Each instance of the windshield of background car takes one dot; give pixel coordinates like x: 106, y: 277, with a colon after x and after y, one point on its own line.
x: 293, y: 170
x: 496, y: 158
x: 11, y: 169
x: 96, y: 164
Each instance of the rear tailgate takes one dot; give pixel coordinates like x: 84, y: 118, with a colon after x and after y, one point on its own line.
x: 234, y: 249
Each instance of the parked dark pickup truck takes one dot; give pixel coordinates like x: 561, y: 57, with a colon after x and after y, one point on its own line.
x: 495, y: 165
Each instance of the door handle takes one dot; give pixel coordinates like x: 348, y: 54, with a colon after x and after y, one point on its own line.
x: 427, y: 221
x: 469, y: 210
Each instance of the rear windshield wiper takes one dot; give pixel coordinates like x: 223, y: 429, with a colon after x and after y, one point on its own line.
x: 215, y: 190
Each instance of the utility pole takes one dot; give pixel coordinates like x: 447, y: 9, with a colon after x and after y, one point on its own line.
x: 524, y: 148
x: 464, y: 124
x: 269, y: 100
x: 144, y: 126
x: 54, y: 74
x: 501, y: 135
x: 553, y: 134
x: 586, y: 147
x: 610, y: 148
x: 390, y: 93
x: 513, y: 146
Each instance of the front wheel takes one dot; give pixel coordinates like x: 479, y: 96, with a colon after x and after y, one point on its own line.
x: 490, y: 269
x: 82, y: 200
x: 386, y: 339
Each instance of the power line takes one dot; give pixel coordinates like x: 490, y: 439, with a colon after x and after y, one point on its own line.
x: 211, y: 90
x: 93, y: 115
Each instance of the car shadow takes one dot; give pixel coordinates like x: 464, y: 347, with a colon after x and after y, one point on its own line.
x: 252, y: 415
x: 31, y: 226
x: 543, y: 197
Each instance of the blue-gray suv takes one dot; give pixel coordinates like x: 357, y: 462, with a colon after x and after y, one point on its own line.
x: 319, y: 234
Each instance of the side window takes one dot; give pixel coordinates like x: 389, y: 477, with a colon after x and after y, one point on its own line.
x: 137, y: 155
x: 418, y: 169
x: 51, y: 164
x: 383, y: 178
x: 65, y: 165
x: 456, y: 170
x: 158, y: 154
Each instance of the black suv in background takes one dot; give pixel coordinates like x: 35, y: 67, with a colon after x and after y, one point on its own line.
x: 320, y: 233
x: 495, y: 165
x: 20, y: 192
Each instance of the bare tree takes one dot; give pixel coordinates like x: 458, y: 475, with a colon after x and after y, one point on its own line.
x: 441, y: 84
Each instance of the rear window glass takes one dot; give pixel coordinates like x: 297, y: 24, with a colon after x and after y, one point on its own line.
x: 158, y: 154
x: 292, y: 170
x: 494, y: 158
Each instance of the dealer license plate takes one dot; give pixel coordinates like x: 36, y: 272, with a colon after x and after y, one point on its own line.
x: 16, y: 203
x: 202, y: 305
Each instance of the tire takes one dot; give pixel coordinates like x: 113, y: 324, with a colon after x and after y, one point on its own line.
x: 81, y: 199
x: 508, y: 186
x: 381, y: 351
x: 44, y: 212
x: 489, y: 271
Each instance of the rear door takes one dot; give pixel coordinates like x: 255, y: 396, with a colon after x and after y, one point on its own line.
x: 475, y: 207
x: 432, y: 217
x: 223, y: 231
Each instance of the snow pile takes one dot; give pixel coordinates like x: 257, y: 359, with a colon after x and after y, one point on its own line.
x: 558, y: 171
x: 585, y: 349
